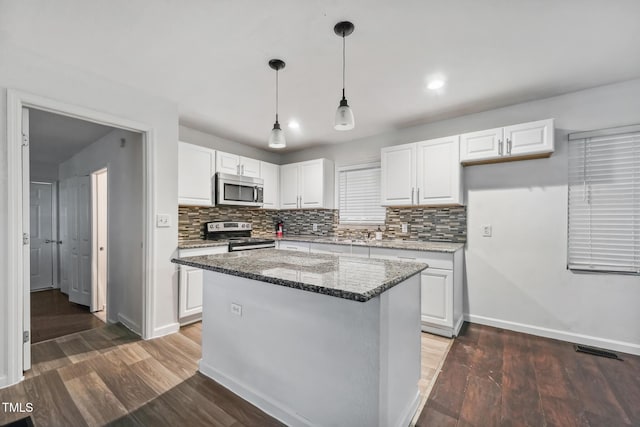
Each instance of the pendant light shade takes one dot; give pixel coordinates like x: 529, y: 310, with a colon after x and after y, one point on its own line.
x: 276, y: 138
x: 344, y: 119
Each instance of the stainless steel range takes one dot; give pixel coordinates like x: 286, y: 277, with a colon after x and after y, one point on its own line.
x: 238, y: 234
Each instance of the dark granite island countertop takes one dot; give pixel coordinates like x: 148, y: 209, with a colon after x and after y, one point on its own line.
x: 342, y: 276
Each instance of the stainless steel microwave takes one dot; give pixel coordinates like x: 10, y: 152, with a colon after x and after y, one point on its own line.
x: 238, y: 190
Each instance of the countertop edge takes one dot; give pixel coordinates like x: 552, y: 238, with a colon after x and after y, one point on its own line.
x: 337, y: 293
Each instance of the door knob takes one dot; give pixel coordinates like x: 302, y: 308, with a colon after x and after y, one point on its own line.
x: 101, y: 248
x: 49, y: 241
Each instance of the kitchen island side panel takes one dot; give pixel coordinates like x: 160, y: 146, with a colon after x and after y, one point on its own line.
x: 308, y: 358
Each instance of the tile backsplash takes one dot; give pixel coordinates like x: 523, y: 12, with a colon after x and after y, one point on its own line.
x: 445, y: 224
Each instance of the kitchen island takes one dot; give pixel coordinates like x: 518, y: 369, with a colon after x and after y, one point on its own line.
x: 327, y: 340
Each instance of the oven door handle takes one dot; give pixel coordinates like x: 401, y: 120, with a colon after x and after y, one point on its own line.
x: 255, y: 194
x: 257, y: 246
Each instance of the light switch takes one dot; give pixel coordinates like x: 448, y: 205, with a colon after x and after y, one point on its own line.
x: 486, y: 230
x: 163, y: 220
x: 236, y: 309
x: 405, y: 228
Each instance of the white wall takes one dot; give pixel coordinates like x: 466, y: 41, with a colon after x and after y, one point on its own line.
x: 41, y: 171
x: 42, y: 76
x: 518, y: 278
x: 125, y: 221
x: 196, y: 137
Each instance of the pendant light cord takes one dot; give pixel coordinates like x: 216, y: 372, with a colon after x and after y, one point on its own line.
x: 343, y: 63
x: 277, y: 96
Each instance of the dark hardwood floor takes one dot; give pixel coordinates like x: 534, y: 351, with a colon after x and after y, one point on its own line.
x: 493, y: 377
x: 109, y: 376
x: 53, y: 316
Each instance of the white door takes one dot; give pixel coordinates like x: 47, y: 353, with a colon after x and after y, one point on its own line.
x: 437, y: 297
x: 398, y: 175
x: 270, y: 174
x: 227, y: 163
x: 482, y: 145
x: 68, y: 230
x: 439, y: 172
x: 99, y: 230
x: 289, y: 186
x: 26, y: 249
x: 195, y: 172
x: 529, y: 138
x: 41, y: 233
x: 311, y: 186
x: 249, y: 167
x: 80, y: 291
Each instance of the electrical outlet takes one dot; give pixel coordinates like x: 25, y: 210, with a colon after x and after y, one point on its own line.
x: 405, y: 228
x: 486, y: 230
x: 315, y: 227
x: 163, y: 220
x: 236, y: 309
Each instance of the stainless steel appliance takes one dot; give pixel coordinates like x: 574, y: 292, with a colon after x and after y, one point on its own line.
x: 238, y: 234
x: 237, y: 190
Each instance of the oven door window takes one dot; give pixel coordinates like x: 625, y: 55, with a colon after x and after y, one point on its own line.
x: 239, y: 193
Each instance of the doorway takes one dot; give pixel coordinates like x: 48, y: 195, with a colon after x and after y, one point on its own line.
x: 99, y: 228
x: 79, y: 156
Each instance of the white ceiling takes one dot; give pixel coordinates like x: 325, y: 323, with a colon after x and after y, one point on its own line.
x: 211, y: 56
x: 54, y: 138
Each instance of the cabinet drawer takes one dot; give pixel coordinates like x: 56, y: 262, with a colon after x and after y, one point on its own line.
x: 212, y: 250
x: 442, y: 260
x: 324, y: 248
x: 293, y: 246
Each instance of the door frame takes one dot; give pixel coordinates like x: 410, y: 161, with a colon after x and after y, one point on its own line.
x: 18, y: 284
x: 96, y: 291
x: 54, y: 228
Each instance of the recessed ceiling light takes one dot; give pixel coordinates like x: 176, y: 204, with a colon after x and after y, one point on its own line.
x: 435, y: 84
x: 293, y: 124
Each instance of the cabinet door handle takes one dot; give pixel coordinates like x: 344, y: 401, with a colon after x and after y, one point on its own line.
x: 300, y: 202
x: 242, y: 173
x: 509, y: 144
x: 407, y: 257
x: 500, y: 147
x: 412, y: 192
x: 418, y: 197
x: 237, y: 169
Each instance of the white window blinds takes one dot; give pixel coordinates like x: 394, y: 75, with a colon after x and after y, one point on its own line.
x: 359, y: 195
x: 604, y: 202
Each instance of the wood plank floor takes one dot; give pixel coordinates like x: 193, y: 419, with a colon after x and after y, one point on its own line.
x: 108, y: 376
x: 493, y: 377
x: 53, y: 316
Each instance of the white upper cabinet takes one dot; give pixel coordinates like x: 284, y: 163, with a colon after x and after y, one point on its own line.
x: 529, y: 138
x: 398, y: 175
x: 237, y: 165
x: 422, y: 173
x: 481, y: 145
x: 270, y: 174
x: 526, y: 140
x: 307, y: 184
x: 439, y: 173
x: 196, y: 166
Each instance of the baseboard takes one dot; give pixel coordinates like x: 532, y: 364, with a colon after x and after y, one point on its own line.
x: 622, y: 346
x: 458, y: 326
x: 268, y: 405
x: 129, y: 324
x: 169, y: 329
x: 410, y: 412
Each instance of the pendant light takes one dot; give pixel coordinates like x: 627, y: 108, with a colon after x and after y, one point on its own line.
x: 344, y: 116
x: 276, y: 138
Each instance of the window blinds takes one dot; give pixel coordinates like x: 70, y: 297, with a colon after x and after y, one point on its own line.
x: 604, y: 203
x: 359, y: 196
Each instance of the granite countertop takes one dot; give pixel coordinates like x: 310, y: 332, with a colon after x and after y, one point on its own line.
x: 390, y: 244
x: 342, y: 276
x: 415, y: 245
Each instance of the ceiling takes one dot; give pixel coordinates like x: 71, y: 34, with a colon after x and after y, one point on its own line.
x: 210, y: 57
x: 54, y: 139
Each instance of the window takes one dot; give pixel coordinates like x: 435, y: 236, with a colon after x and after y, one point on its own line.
x: 359, y: 195
x: 604, y: 200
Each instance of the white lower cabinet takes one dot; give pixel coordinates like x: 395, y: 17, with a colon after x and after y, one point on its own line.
x: 190, y: 284
x: 441, y: 287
